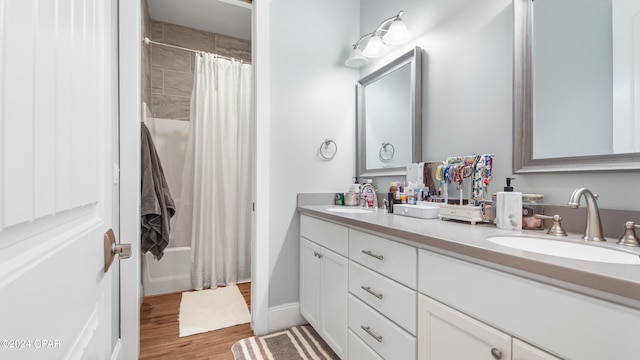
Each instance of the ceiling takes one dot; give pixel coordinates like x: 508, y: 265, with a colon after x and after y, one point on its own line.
x: 228, y: 17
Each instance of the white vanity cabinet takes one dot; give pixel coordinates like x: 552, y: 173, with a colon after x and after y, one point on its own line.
x: 358, y: 290
x: 371, y: 295
x: 462, y: 304
x: 324, y: 280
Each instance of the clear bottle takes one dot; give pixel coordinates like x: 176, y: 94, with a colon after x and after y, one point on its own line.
x: 532, y: 204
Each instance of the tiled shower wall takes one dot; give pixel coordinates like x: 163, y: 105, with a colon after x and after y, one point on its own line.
x: 171, y: 70
x: 146, y: 54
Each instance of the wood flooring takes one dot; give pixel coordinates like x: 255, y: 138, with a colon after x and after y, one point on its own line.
x: 159, y: 332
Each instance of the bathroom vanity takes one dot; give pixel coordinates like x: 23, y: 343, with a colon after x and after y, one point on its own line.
x: 380, y: 286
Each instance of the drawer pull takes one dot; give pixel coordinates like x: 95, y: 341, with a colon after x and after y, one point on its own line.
x: 317, y: 254
x: 496, y: 353
x: 367, y: 329
x: 367, y: 252
x: 368, y: 289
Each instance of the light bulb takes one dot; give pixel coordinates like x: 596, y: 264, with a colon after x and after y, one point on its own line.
x: 375, y: 47
x: 397, y: 33
x: 355, y: 58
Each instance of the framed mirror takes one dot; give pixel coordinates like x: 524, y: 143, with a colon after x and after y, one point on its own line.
x: 573, y: 86
x: 389, y: 117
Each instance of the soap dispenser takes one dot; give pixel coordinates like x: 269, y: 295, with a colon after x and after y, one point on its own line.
x: 509, y: 208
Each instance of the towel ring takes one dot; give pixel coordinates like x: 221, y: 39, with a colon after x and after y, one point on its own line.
x: 325, y: 149
x: 384, y: 153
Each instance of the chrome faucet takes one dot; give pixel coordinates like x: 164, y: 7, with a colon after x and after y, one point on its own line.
x: 593, y: 230
x: 363, y: 191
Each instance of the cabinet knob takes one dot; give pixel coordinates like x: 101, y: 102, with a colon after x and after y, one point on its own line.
x: 496, y: 353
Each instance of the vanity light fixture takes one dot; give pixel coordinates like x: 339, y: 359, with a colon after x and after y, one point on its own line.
x: 391, y: 31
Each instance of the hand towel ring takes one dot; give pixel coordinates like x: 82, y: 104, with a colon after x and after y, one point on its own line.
x: 385, y: 154
x: 325, y: 149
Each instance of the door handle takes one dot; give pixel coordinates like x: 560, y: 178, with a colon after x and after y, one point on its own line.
x: 111, y: 249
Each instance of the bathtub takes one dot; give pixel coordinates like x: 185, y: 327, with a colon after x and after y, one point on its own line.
x: 171, y: 274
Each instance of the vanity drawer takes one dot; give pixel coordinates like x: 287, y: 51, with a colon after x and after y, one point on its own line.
x: 359, y: 350
x: 392, y: 259
x: 386, y: 338
x: 329, y: 235
x: 395, y: 301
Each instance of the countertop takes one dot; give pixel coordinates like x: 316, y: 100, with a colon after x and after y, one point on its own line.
x: 619, y: 283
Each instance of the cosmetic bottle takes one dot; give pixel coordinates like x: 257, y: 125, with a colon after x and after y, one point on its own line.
x: 390, y: 199
x: 509, y: 208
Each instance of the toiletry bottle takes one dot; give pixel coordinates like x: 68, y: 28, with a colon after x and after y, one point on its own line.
x: 509, y: 208
x: 412, y: 191
x: 390, y: 199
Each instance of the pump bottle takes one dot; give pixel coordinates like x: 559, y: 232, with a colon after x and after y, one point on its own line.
x: 509, y: 208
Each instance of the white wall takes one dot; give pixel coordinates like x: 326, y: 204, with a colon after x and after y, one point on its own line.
x: 467, y: 93
x: 312, y: 98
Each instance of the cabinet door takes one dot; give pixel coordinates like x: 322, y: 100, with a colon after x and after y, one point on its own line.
x: 444, y: 333
x: 524, y: 351
x: 333, y: 301
x: 310, y: 281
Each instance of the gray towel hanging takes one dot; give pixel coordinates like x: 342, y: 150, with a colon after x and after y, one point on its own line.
x: 156, y: 204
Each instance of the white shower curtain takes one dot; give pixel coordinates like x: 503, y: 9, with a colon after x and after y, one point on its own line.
x: 216, y: 186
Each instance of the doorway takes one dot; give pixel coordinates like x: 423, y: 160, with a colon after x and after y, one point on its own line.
x: 167, y: 68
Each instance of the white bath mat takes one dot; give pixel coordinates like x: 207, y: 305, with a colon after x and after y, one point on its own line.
x: 207, y: 310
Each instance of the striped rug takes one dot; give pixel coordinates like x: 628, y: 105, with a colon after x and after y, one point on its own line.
x: 298, y: 342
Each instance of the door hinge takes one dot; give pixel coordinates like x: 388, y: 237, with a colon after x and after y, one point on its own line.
x: 116, y: 173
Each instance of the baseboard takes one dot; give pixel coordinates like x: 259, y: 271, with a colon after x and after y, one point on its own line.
x: 285, y: 316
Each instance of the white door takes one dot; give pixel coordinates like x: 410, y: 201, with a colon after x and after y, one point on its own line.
x: 56, y: 113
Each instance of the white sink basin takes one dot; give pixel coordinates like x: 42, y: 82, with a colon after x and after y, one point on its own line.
x: 349, y: 210
x: 566, y: 249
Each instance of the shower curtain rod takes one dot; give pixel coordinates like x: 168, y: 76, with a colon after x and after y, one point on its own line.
x: 149, y: 41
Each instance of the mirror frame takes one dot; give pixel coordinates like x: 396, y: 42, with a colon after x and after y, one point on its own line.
x: 414, y: 59
x: 523, y: 161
